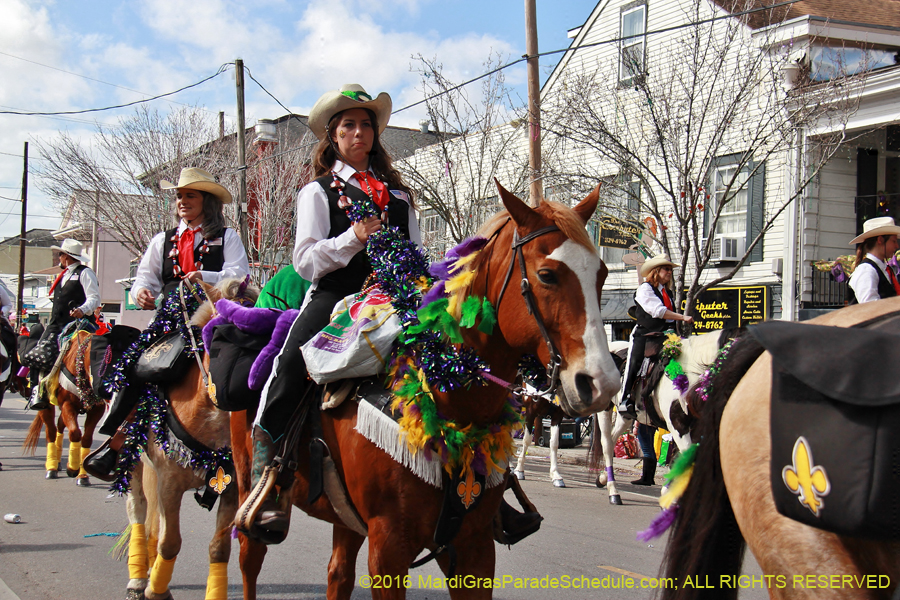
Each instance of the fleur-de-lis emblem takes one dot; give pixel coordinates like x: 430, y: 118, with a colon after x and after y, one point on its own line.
x: 220, y: 481
x: 154, y: 351
x: 468, y: 490
x: 808, y: 481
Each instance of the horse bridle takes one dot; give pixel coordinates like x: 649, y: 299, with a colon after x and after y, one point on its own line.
x: 531, y: 305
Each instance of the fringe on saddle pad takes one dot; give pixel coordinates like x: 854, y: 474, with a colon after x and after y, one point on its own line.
x: 385, y: 433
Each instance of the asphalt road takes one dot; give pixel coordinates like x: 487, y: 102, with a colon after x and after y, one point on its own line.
x: 55, y: 552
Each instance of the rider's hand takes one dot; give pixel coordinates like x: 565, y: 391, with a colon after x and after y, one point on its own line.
x: 363, y: 229
x: 145, y: 299
x: 194, y: 276
x: 688, y: 319
x: 76, y: 312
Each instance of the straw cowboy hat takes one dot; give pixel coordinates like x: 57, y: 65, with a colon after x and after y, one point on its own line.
x: 73, y: 248
x: 657, y: 261
x: 193, y: 178
x: 875, y: 227
x: 349, y: 96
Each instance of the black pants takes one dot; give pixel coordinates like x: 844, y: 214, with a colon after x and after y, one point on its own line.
x: 635, y: 360
x: 290, y: 379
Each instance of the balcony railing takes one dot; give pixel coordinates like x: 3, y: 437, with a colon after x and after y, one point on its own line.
x: 826, y: 292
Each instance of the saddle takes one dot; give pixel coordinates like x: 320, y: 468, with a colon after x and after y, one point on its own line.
x: 652, y: 370
x: 834, y: 418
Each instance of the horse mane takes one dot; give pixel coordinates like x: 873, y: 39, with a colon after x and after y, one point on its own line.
x: 562, y: 216
x: 229, y: 288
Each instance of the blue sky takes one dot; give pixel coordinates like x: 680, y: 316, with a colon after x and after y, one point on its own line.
x: 297, y: 50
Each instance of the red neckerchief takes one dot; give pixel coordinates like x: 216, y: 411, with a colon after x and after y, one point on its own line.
x: 186, y: 250
x: 666, y: 300
x: 893, y: 278
x: 56, y: 281
x: 374, y: 188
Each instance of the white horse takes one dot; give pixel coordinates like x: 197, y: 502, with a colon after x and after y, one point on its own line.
x: 697, y: 354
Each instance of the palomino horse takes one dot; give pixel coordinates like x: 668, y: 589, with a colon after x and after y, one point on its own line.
x: 73, y: 399
x: 729, y: 500
x: 160, y: 479
x: 398, y: 510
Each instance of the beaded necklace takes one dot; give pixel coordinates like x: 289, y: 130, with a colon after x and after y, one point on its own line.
x: 173, y: 254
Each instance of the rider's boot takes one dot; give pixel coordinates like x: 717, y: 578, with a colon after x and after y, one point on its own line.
x: 626, y: 406
x: 265, y: 514
x: 37, y: 401
x: 649, y: 472
x: 101, y: 463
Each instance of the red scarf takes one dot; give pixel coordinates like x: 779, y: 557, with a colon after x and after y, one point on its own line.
x: 371, y: 185
x: 667, y: 301
x: 186, y: 250
x: 56, y: 281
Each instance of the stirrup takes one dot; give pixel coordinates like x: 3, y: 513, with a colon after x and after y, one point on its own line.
x: 246, y: 514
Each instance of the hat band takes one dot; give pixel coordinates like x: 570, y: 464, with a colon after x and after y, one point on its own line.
x: 358, y: 96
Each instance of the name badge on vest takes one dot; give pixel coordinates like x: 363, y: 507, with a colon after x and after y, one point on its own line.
x: 400, y: 194
x: 215, y: 242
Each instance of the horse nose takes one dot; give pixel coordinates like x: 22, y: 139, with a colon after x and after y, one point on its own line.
x: 584, y: 388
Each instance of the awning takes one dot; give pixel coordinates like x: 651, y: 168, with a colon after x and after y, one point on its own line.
x: 614, y: 305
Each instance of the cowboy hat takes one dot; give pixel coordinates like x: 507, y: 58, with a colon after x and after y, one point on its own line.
x: 875, y: 227
x: 193, y: 178
x: 349, y: 96
x: 657, y: 261
x: 73, y: 248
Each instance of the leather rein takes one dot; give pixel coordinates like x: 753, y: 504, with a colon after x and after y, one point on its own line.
x: 531, y: 305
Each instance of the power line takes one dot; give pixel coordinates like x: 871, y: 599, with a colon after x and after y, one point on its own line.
x: 89, y: 110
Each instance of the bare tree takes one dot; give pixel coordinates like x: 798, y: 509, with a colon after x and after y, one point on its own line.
x: 478, y: 137
x: 693, y: 122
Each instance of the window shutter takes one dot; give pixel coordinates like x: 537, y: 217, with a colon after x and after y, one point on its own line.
x: 755, y: 210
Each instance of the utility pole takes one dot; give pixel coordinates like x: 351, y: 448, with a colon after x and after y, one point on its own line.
x: 20, y: 295
x: 242, y: 158
x: 534, y: 103
x: 95, y: 233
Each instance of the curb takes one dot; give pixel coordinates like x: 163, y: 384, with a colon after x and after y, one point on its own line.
x: 6, y: 593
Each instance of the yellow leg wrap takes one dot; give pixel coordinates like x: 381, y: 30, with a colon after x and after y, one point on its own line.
x: 84, y: 453
x: 137, y: 553
x: 59, y: 441
x: 53, y: 453
x: 74, y: 462
x: 217, y: 584
x: 161, y: 575
x: 152, y: 545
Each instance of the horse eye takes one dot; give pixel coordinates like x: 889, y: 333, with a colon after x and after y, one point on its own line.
x: 547, y: 276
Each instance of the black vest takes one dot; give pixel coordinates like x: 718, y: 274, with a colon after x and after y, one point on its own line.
x: 212, y: 261
x: 644, y: 320
x: 67, y: 297
x: 885, y: 287
x: 350, y: 279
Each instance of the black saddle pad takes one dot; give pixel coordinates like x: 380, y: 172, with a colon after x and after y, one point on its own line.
x: 116, y: 341
x: 835, y: 413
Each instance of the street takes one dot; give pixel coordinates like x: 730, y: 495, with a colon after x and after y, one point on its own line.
x: 55, y: 552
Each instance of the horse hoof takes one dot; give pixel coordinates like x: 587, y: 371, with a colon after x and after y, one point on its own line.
x: 559, y: 483
x: 615, y: 500
x: 520, y: 475
x: 83, y: 482
x: 51, y: 475
x: 71, y: 472
x: 601, y: 481
x: 134, y: 594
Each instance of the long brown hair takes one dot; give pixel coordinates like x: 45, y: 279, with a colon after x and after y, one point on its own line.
x: 866, y: 246
x: 325, y: 155
x: 653, y: 277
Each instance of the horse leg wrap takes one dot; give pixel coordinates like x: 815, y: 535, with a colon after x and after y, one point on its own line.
x: 137, y: 553
x: 59, y: 443
x: 84, y: 453
x: 74, y: 462
x: 152, y: 549
x: 161, y: 574
x: 217, y: 583
x: 53, y: 454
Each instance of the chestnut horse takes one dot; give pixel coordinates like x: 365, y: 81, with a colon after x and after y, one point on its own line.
x: 399, y: 511
x: 72, y: 402
x: 729, y: 504
x: 160, y: 479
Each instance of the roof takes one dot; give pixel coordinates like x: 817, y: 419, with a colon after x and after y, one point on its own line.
x: 872, y: 12
x: 34, y: 238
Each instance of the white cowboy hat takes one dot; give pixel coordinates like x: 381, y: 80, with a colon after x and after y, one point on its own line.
x: 73, y: 248
x: 657, y: 261
x: 193, y: 178
x: 875, y: 227
x: 349, y: 96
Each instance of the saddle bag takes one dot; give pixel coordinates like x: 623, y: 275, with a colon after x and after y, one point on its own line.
x: 834, y: 422
x: 231, y: 356
x: 163, y: 361
x: 107, y: 349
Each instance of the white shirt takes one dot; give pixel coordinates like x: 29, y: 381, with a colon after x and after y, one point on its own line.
x: 317, y: 255
x: 89, y: 283
x: 5, y: 302
x: 149, y: 274
x: 650, y: 302
x: 864, y: 280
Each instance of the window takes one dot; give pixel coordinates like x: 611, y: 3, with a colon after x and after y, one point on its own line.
x: 432, y: 228
x: 632, y: 29
x: 740, y: 193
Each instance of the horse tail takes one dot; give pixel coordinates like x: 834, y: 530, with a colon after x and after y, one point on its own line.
x: 705, y: 540
x: 33, y: 435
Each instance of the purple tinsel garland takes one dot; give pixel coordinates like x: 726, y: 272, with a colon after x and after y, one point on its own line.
x: 704, y: 386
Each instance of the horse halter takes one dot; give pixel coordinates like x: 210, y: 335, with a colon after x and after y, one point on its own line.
x: 531, y: 304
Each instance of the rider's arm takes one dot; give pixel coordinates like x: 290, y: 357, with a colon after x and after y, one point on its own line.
x: 865, y: 283
x: 149, y: 273
x: 234, y: 262
x: 650, y: 302
x: 91, y: 286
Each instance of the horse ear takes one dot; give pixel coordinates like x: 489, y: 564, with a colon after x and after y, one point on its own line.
x: 212, y: 293
x: 585, y: 209
x: 522, y: 214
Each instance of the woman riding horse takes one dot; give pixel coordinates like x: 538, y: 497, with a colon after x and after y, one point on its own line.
x: 200, y: 248
x: 330, y: 250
